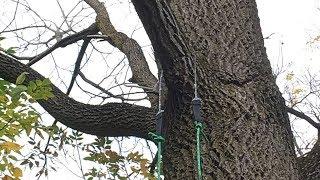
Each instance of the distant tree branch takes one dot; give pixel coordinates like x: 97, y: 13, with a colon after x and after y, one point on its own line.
x: 303, y: 116
x: 84, y: 78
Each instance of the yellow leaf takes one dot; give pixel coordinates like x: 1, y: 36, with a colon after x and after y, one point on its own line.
x: 3, y: 99
x: 317, y: 38
x: 297, y: 90
x: 17, y: 172
x: 10, y: 146
x: 289, y: 76
x: 6, y: 177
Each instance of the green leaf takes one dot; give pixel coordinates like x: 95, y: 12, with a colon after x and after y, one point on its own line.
x: 11, y: 50
x: 21, y: 78
x: 13, y: 157
x: 46, y: 82
x: 32, y: 87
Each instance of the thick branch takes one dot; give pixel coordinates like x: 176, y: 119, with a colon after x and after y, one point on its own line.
x: 141, y: 73
x: 112, y: 119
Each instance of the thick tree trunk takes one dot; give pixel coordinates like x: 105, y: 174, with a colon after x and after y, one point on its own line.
x: 247, y: 130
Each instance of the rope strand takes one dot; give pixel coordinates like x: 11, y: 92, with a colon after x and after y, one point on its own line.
x: 159, y: 140
x: 157, y: 137
x: 198, y: 139
x: 160, y: 90
x: 196, y: 102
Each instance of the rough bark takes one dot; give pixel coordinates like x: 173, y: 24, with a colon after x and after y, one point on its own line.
x: 246, y: 125
x: 112, y: 119
x: 309, y: 164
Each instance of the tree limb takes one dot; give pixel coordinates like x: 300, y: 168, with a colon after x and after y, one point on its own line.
x: 111, y: 119
x: 78, y: 63
x: 85, y: 79
x: 141, y: 73
x: 303, y: 116
x: 92, y: 29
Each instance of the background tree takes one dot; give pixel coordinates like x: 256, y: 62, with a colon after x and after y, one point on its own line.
x: 247, y: 129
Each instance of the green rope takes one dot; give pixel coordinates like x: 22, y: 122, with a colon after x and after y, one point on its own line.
x: 158, y: 139
x: 199, y: 161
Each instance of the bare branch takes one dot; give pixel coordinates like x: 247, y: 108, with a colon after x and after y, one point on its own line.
x: 92, y: 29
x: 108, y: 92
x: 303, y: 116
x: 78, y: 63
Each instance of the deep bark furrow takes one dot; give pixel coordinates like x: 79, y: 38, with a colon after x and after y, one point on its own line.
x: 111, y: 119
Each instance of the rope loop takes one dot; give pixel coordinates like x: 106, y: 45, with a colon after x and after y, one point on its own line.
x: 199, y: 125
x: 157, y: 138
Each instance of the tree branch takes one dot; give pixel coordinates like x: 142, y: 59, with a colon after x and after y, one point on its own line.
x: 92, y: 29
x: 78, y: 63
x: 303, y: 116
x: 111, y: 119
x: 85, y: 79
x: 141, y: 73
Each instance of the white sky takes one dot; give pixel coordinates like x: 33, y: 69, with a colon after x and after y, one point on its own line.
x: 293, y: 22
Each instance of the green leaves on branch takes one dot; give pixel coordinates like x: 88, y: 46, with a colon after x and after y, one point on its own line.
x: 11, y: 50
x: 40, y: 90
x: 17, y: 117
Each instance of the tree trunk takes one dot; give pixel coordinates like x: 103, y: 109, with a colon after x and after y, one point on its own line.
x: 246, y: 127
